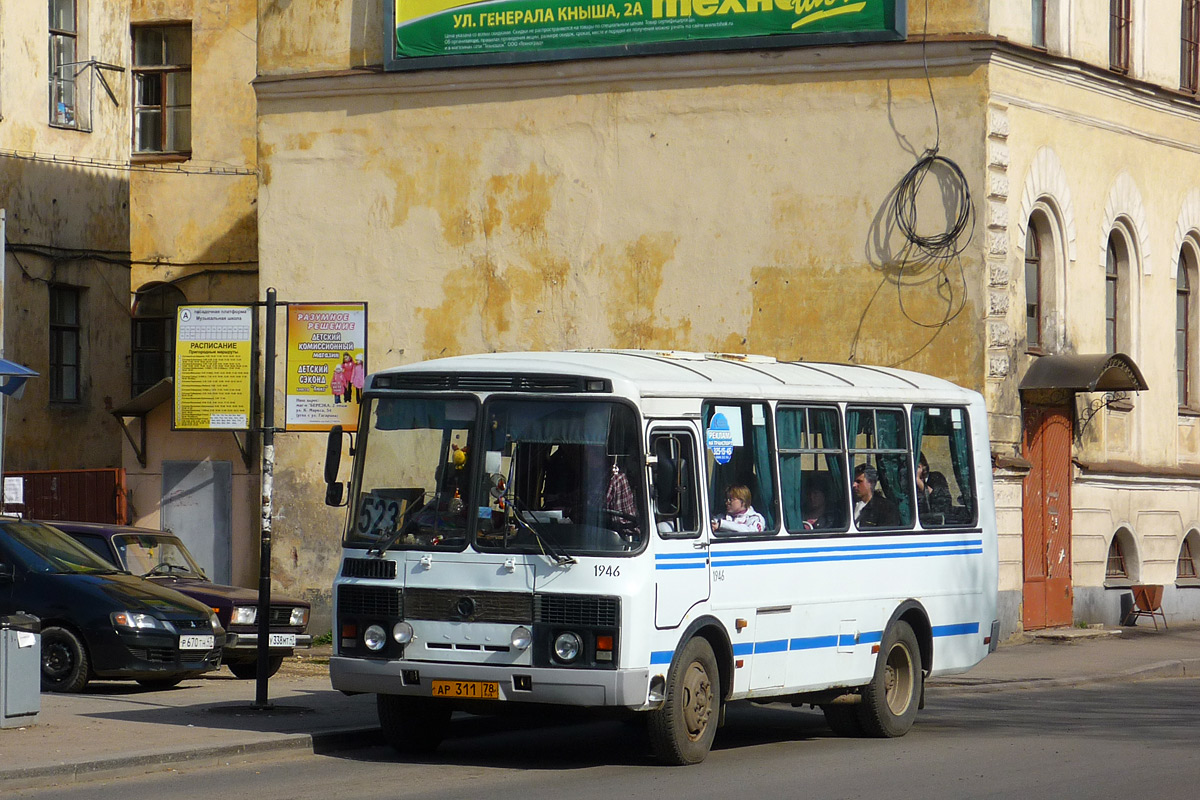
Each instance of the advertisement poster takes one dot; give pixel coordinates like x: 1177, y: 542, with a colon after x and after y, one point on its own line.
x: 432, y: 28
x: 214, y: 348
x: 326, y: 365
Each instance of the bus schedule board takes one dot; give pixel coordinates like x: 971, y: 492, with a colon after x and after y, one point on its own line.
x: 214, y: 350
x: 326, y: 365
x: 443, y: 33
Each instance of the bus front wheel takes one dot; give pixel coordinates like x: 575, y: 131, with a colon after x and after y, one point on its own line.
x: 890, y: 701
x: 682, y: 730
x: 413, y: 725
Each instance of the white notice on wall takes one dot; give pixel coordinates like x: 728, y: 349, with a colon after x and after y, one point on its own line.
x: 14, y: 491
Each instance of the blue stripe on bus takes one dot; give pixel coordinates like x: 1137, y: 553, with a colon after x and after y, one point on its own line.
x: 675, y: 556
x: 848, y: 548
x: 961, y: 629
x: 680, y: 566
x: 743, y: 562
x: 821, y: 642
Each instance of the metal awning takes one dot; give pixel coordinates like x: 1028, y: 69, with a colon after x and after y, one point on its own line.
x: 15, y: 376
x: 1104, y: 372
x: 140, y: 406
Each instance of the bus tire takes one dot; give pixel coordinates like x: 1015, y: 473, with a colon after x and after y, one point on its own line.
x: 843, y: 719
x: 890, y: 701
x: 413, y: 725
x: 682, y: 730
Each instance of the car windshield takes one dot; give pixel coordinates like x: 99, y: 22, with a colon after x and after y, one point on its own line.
x: 411, y: 487
x: 41, y: 548
x: 150, y: 554
x: 560, y: 477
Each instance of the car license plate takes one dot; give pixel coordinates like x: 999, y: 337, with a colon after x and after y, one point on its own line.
x: 282, y: 640
x: 475, y: 690
x: 196, y: 642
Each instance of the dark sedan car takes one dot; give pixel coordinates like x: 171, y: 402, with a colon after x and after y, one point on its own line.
x: 163, y: 558
x: 99, y: 622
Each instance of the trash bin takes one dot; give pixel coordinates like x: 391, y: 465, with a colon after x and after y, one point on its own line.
x: 20, y: 670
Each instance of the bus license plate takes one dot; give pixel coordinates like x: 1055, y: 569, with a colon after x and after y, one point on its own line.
x: 282, y: 640
x: 196, y: 642
x: 475, y: 690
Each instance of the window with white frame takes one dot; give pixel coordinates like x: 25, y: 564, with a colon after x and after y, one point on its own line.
x: 1112, y: 293
x: 162, y: 89
x: 1033, y: 288
x: 64, y: 61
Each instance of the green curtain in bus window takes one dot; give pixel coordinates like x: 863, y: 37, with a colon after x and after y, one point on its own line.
x: 407, y: 415
x: 791, y: 437
x: 918, y: 428
x: 893, y: 467
x: 825, y: 422
x: 766, y: 483
x: 960, y: 459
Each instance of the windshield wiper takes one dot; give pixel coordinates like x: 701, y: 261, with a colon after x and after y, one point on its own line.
x: 561, y: 557
x: 401, y: 526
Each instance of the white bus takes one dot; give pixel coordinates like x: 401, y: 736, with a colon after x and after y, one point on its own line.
x: 570, y: 528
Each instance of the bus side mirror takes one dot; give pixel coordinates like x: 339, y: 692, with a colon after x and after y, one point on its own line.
x: 666, y: 478
x: 333, y: 454
x: 334, y: 489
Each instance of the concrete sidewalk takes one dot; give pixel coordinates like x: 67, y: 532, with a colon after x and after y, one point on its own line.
x: 119, y: 728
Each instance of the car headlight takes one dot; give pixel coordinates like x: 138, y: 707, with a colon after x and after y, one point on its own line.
x: 299, y: 616
x: 374, y: 638
x: 567, y: 647
x: 402, y: 632
x: 520, y: 638
x: 135, y: 621
x: 214, y: 621
x: 243, y: 615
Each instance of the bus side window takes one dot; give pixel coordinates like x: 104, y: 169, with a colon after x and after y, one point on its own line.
x: 945, y: 477
x: 812, y: 469
x: 878, y: 442
x: 676, y: 503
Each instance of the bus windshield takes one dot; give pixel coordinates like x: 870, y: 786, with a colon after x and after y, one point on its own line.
x: 412, y: 488
x: 560, y: 477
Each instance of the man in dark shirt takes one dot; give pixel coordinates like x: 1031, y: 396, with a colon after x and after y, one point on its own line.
x: 872, y: 509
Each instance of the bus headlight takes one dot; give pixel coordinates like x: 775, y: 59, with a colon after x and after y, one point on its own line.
x: 402, y: 632
x: 567, y: 647
x: 521, y: 638
x: 374, y: 638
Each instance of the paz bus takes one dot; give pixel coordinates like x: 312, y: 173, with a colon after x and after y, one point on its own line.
x: 553, y: 528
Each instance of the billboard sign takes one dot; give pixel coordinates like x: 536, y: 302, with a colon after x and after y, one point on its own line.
x: 214, y: 350
x: 326, y: 365
x: 441, y: 33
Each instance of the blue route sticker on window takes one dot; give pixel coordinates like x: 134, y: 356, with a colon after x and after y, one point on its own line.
x: 719, y: 439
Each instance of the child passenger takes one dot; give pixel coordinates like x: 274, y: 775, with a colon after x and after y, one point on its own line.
x: 739, y: 516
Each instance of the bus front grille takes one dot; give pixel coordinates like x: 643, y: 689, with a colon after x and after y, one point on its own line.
x: 574, y: 609
x: 368, y: 568
x: 370, y: 601
x: 454, y: 605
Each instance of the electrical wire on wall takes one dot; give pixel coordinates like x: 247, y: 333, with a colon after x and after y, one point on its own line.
x: 928, y: 260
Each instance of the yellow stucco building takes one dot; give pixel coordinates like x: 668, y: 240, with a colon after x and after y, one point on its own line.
x: 740, y: 196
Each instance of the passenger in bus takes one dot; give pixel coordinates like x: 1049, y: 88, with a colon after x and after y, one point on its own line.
x: 933, y: 490
x: 739, y: 516
x: 816, y: 515
x: 871, y: 508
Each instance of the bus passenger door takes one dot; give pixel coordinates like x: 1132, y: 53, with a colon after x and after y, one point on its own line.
x: 681, y: 561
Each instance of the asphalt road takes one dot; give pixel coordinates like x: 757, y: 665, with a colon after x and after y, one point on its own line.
x: 1130, y: 740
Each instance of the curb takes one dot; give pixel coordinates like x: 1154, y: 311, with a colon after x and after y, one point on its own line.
x: 140, y: 763
x: 1174, y: 668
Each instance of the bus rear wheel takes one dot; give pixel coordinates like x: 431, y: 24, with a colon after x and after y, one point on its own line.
x: 682, y: 730
x: 890, y: 701
x: 413, y: 725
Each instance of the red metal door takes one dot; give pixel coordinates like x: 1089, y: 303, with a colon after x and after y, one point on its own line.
x: 1046, y: 514
x: 80, y: 495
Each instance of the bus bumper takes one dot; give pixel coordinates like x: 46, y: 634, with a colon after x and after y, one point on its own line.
x: 628, y: 688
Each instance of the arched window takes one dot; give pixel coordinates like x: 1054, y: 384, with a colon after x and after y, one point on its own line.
x: 1112, y: 294
x: 154, y: 334
x: 1122, y: 564
x: 1189, y: 51
x: 1185, y: 566
x: 1185, y: 328
x: 1033, y: 288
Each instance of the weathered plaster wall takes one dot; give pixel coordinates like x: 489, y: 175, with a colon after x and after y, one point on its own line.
x: 68, y: 224
x: 713, y: 213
